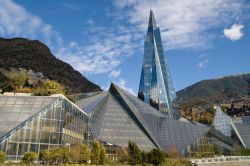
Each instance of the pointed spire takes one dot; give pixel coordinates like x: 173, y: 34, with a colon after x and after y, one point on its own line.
x: 151, y: 21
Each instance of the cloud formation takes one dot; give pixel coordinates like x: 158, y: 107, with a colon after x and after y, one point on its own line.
x: 185, y: 24
x: 234, y: 33
x: 15, y: 21
x: 203, y: 63
x: 106, y: 49
x: 122, y: 83
x: 115, y: 73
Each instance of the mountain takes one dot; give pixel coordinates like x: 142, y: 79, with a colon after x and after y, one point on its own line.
x: 231, y: 92
x: 34, y: 55
x: 224, y: 89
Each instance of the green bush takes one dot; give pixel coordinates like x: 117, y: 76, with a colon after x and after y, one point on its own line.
x: 95, y: 153
x: 134, y: 153
x: 2, y: 157
x: 241, y: 151
x: 55, y: 156
x: 103, y: 155
x: 44, y: 156
x: 156, y: 156
x: 144, y: 157
x: 60, y: 155
x: 30, y: 157
x: 7, y: 88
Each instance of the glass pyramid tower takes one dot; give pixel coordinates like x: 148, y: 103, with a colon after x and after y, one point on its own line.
x: 156, y: 87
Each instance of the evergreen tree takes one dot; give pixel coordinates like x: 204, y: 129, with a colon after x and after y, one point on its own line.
x: 134, y: 153
x: 103, y: 155
x: 2, y: 157
x: 156, y: 156
x: 30, y: 157
x: 144, y: 157
x: 95, y: 153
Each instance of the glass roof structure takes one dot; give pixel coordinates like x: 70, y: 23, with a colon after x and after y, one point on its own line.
x: 37, y: 123
x: 222, y: 122
x: 33, y: 123
x: 242, y: 129
x: 15, y: 110
x: 156, y: 86
x: 121, y: 117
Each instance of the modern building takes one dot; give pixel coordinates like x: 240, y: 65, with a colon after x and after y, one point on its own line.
x: 156, y: 87
x: 35, y: 123
x: 222, y: 122
x: 117, y: 117
x: 236, y: 130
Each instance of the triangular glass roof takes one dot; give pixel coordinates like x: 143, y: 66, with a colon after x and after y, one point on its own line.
x: 87, y: 104
x: 111, y: 117
x: 222, y: 122
x: 15, y: 110
x: 167, y: 131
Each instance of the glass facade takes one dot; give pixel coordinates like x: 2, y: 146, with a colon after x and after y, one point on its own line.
x: 222, y: 122
x: 156, y: 87
x: 114, y: 118
x: 202, y: 147
x: 120, y: 117
x: 59, y: 123
x: 241, y: 128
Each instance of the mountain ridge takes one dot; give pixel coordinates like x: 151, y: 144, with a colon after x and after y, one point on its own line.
x: 35, y: 55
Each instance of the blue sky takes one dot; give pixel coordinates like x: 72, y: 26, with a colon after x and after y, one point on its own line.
x: 103, y: 39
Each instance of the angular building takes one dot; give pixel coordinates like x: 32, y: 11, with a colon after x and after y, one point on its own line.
x: 115, y: 117
x: 222, y: 122
x: 156, y: 87
x: 36, y: 123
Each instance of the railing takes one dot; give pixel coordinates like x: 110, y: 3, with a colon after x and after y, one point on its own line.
x: 221, y: 159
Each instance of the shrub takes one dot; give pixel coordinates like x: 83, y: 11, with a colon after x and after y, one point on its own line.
x: 156, y: 156
x: 45, y: 157
x: 53, y: 87
x: 60, y: 155
x: 241, y: 151
x: 30, y: 157
x: 7, y: 88
x: 144, y: 157
x: 95, y: 153
x: 55, y: 156
x: 2, y: 157
x: 79, y: 153
x: 103, y: 155
x: 26, y: 90
x: 134, y: 153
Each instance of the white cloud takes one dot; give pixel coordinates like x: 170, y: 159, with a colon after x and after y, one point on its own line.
x: 89, y: 21
x: 73, y: 6
x: 185, y: 24
x: 15, y: 21
x: 234, y: 33
x: 203, y: 64
x: 122, y: 84
x: 115, y: 73
x: 203, y: 56
x: 106, y: 49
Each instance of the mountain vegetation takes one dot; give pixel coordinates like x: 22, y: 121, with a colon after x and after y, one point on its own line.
x: 37, y: 59
x: 232, y: 93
